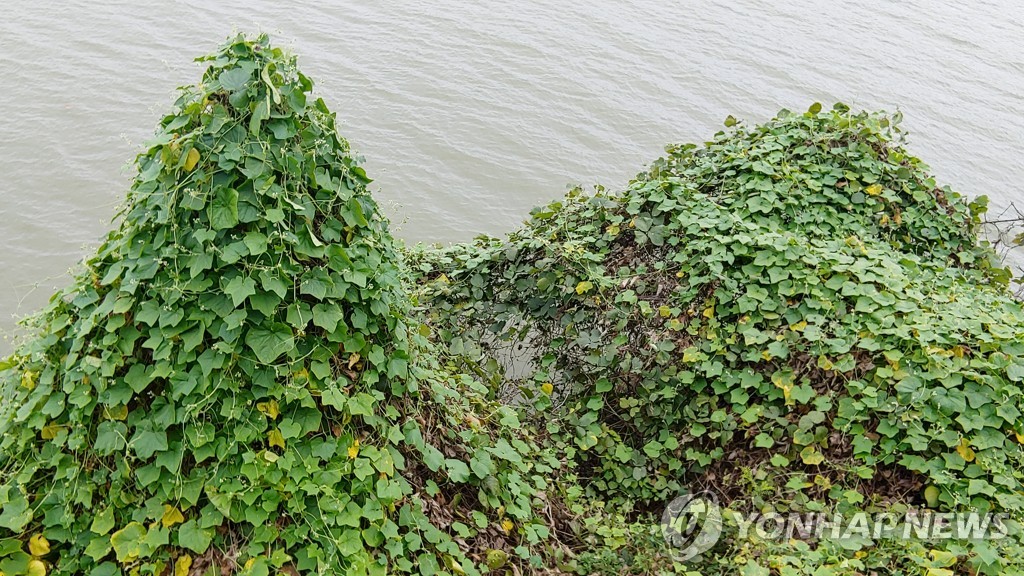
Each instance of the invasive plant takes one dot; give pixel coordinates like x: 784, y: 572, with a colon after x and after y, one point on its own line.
x: 798, y: 298
x: 236, y: 382
x: 794, y: 315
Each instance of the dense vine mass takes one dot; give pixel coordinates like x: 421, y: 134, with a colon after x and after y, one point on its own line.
x: 235, y: 383
x: 251, y: 376
x: 794, y: 316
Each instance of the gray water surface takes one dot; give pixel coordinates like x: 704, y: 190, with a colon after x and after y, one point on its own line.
x: 472, y: 112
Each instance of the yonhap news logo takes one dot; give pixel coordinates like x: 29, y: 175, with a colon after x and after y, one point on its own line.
x: 691, y: 524
x: 694, y: 523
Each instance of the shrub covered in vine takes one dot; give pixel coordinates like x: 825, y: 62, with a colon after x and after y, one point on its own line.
x: 235, y: 383
x: 794, y: 315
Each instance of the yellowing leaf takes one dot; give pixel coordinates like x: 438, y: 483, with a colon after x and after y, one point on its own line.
x: 36, y: 568
x: 547, y: 388
x: 49, y: 432
x: 119, y: 412
x: 664, y: 311
x: 453, y: 564
x: 873, y: 190
x: 183, y: 565
x: 824, y: 363
x: 191, y: 160
x: 811, y: 456
x: 353, y: 450
x: 271, y: 409
x: 171, y: 516
x: 353, y: 360
x: 965, y: 451
x: 275, y: 438
x: 507, y: 525
x: 799, y: 326
x: 943, y: 557
x: 1020, y: 437
x: 709, y: 312
x: 38, y: 545
x: 28, y: 380
x: 584, y: 286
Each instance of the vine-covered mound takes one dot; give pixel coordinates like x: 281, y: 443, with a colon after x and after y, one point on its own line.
x: 234, y: 383
x: 792, y: 315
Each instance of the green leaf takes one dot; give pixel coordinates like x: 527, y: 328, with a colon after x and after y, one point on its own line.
x: 223, y: 209
x: 327, y: 316
x: 256, y: 242
x: 432, y: 457
x: 103, y: 522
x: 240, y: 288
x: 271, y: 342
x: 147, y: 442
x: 15, y: 513
x: 482, y: 465
x: 110, y: 437
x: 196, y: 539
x: 315, y: 283
x: 361, y: 404
x: 653, y: 448
x: 265, y: 302
x: 502, y: 449
x: 458, y: 471
x: 350, y: 543
x: 261, y: 113
x: 233, y: 79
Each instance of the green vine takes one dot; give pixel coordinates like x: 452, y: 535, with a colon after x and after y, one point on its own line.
x: 251, y: 376
x: 235, y: 382
x: 795, y: 305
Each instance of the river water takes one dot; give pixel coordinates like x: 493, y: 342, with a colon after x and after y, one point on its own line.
x: 470, y: 112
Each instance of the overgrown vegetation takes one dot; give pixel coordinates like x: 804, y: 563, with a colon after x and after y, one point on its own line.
x: 794, y: 316
x: 234, y: 384
x: 251, y: 377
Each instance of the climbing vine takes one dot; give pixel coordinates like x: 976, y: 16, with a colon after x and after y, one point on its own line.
x: 796, y: 305
x: 235, y: 382
x: 250, y: 376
